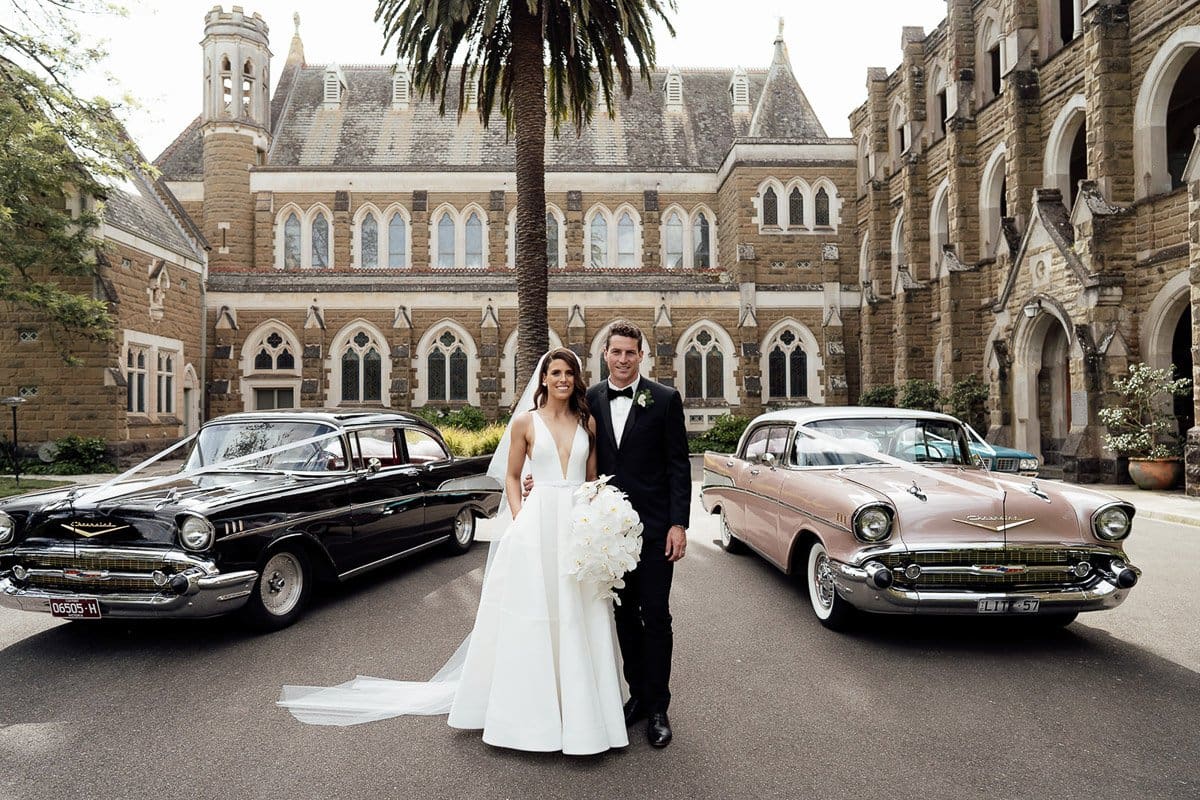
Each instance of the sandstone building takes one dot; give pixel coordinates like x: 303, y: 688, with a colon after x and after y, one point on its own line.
x: 1014, y: 203
x: 1024, y: 212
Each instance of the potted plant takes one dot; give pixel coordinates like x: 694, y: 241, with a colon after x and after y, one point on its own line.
x: 1142, y: 425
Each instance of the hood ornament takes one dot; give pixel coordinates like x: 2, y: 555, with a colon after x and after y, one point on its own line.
x: 916, y: 492
x: 985, y: 521
x: 1037, y: 492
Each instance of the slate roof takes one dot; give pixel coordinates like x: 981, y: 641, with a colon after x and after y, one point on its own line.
x: 137, y: 207
x: 366, y: 132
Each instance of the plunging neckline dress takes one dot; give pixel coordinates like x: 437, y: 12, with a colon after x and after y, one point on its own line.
x: 542, y: 666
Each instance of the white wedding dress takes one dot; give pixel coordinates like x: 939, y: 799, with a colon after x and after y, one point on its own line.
x: 541, y: 669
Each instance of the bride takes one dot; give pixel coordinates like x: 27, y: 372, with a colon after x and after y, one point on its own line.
x: 540, y: 670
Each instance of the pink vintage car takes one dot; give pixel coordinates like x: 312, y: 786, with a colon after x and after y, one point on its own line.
x: 886, y: 510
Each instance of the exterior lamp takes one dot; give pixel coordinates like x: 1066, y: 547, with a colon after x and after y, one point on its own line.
x: 1032, y: 308
x: 14, y: 403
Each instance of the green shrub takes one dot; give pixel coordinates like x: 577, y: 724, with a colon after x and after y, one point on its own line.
x: 467, y: 418
x: 465, y: 443
x: 77, y: 455
x: 921, y: 395
x: 879, y: 396
x: 968, y: 401
x: 722, y: 437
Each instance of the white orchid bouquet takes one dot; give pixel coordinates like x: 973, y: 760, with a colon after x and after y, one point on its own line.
x: 606, y: 537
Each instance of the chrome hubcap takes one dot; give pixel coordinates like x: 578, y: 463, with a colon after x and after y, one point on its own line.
x: 464, y: 526
x: 282, y: 583
x: 726, y: 536
x: 823, y: 581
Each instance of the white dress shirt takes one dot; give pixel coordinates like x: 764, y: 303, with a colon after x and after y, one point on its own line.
x: 620, y: 407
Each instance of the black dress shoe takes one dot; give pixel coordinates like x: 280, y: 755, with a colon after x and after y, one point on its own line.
x: 635, y: 710
x: 658, y: 730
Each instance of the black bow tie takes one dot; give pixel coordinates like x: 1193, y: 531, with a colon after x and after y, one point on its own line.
x: 626, y: 392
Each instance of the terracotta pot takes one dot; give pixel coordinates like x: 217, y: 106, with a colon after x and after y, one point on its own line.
x: 1155, y: 473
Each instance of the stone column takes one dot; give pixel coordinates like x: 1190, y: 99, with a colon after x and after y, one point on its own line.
x: 489, y: 362
x: 1107, y: 85
x: 1192, y: 454
x: 402, y: 360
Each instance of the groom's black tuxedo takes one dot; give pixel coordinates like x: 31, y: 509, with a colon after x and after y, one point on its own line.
x: 651, y: 467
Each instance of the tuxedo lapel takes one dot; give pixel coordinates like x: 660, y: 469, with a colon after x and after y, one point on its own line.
x: 629, y: 420
x: 606, y: 423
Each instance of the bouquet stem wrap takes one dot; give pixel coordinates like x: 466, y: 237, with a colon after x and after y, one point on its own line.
x: 606, y: 537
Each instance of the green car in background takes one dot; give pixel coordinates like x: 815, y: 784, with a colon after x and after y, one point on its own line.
x: 999, y: 458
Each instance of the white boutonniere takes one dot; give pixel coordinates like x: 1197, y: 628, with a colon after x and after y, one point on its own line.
x: 643, y: 399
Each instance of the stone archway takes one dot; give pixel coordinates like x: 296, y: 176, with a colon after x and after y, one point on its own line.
x: 1054, y: 394
x: 1167, y: 339
x: 1041, y: 374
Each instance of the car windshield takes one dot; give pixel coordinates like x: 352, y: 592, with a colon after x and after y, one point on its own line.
x: 236, y: 440
x: 840, y: 442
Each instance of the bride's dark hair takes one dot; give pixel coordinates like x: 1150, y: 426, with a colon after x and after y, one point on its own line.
x: 578, y: 399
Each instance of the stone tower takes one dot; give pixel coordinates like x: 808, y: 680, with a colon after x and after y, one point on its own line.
x: 236, y: 129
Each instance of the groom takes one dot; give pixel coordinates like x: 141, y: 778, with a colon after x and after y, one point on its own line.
x: 641, y: 442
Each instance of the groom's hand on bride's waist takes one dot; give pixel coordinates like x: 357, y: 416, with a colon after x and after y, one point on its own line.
x: 676, y: 543
x: 527, y: 486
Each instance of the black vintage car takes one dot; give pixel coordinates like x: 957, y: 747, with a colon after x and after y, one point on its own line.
x: 266, y: 504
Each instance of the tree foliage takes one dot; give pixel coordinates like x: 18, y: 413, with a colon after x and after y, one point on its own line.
x: 59, y: 153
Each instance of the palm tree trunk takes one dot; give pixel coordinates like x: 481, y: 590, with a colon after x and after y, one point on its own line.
x: 529, y: 102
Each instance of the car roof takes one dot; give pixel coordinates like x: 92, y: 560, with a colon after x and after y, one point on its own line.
x: 807, y: 414
x: 337, y: 417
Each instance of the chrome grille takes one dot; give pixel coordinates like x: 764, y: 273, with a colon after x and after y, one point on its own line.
x: 1006, y: 465
x: 97, y: 570
x: 1044, y: 567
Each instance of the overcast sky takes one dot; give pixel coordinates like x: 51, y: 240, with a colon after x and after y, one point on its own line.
x: 155, y: 52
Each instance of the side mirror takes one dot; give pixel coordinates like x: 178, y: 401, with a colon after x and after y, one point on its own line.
x: 978, y: 461
x: 374, y: 465
x: 768, y: 460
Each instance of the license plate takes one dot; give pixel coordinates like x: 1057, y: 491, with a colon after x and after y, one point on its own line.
x: 1024, y: 605
x: 79, y: 608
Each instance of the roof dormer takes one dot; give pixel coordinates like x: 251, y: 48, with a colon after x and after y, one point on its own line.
x: 739, y: 91
x: 401, y: 87
x: 673, y: 90
x: 335, y: 85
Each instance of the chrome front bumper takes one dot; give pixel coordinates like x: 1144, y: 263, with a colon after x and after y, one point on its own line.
x: 205, y: 596
x: 1099, y: 592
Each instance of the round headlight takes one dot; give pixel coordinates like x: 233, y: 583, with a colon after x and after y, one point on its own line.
x: 873, y: 523
x: 1029, y: 464
x: 1112, y: 523
x: 196, y: 533
x: 8, y: 528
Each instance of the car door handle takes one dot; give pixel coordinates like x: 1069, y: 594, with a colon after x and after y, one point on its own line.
x: 753, y: 472
x: 387, y: 512
x: 729, y: 463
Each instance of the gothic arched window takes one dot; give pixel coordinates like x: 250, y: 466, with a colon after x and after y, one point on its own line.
x: 445, y: 240
x: 291, y: 242
x: 369, y: 241
x: 446, y: 365
x: 474, y: 241
x: 362, y: 370
x: 796, y: 208
x: 674, y: 241
x: 770, y: 207
x: 552, y: 241
x: 320, y: 241
x: 822, y: 204
x: 701, y: 242
x: 703, y: 367
x: 626, y: 233
x: 397, y: 241
x: 599, y: 241
x: 273, y: 354
x: 787, y: 367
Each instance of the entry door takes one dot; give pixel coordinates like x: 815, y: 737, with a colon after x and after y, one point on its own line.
x: 389, y: 507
